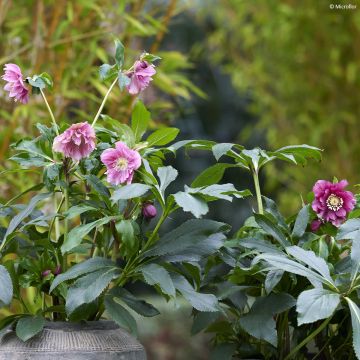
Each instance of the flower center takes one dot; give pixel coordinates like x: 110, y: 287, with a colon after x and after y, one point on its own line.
x: 334, y: 202
x: 121, y: 164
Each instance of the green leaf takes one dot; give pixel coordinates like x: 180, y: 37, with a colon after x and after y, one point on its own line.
x: 300, y: 153
x: 16, y: 220
x: 149, y: 57
x: 78, y: 210
x: 156, y: 275
x: 211, y: 175
x: 262, y: 312
x: 199, y: 301
x: 350, y: 230
x: 123, y: 80
x: 223, y: 352
x: 88, y: 266
x: 187, y: 235
x: 107, y: 71
x: 140, y: 120
x: 28, y: 326
x: 119, y: 53
x: 6, y: 286
x: 284, y: 263
x: 203, y: 319
x: 120, y: 315
x: 191, y: 203
x: 130, y: 191
x: 355, y: 258
x: 162, y: 136
x: 140, y: 306
x: 316, y: 304
x: 272, y: 279
x: 221, y: 149
x: 97, y: 185
x: 355, y: 320
x: 309, y: 258
x: 301, y: 222
x: 272, y: 229
x: 166, y: 174
x: 76, y: 235
x: 88, y: 288
x: 126, y: 229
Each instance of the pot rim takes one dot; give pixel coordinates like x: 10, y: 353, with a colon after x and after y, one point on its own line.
x: 81, y: 325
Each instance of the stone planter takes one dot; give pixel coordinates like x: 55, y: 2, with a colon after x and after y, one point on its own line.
x: 92, y: 340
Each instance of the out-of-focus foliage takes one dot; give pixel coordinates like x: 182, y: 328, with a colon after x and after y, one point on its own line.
x: 70, y: 39
x: 300, y: 63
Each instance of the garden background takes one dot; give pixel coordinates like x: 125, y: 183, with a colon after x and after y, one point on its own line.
x: 261, y: 73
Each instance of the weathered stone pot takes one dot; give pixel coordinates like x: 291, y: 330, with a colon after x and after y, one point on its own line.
x: 91, y: 340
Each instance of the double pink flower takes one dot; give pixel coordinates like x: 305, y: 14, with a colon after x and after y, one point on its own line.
x: 140, y: 76
x: 15, y: 83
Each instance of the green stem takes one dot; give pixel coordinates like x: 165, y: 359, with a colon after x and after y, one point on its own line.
x: 258, y: 192
x: 50, y: 112
x: 66, y: 224
x: 307, y: 339
x: 157, y: 227
x: 103, y: 103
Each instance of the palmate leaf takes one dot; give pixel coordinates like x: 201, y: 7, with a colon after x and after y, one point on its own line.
x: 316, y: 304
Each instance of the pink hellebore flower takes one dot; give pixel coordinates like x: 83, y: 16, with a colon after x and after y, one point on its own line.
x: 15, y: 84
x: 121, y: 163
x: 140, y: 77
x: 77, y: 142
x: 332, y: 203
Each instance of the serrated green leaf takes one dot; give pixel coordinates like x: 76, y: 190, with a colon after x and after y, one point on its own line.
x: 88, y: 288
x: 316, y: 304
x: 156, y: 275
x: 85, y: 267
x: 355, y: 321
x: 191, y: 203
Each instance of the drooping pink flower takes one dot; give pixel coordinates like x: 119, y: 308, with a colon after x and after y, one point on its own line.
x: 15, y: 83
x: 332, y: 203
x: 46, y: 273
x: 121, y: 163
x: 140, y: 77
x: 77, y: 142
x: 149, y: 211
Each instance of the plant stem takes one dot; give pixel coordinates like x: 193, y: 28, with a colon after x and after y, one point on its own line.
x: 50, y: 112
x: 66, y: 224
x: 307, y: 339
x: 155, y: 231
x: 103, y: 103
x: 258, y: 192
x: 116, y: 244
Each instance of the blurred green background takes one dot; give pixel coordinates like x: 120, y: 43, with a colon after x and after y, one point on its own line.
x: 259, y: 72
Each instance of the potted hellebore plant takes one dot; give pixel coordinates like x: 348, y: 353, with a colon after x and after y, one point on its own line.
x: 94, y: 224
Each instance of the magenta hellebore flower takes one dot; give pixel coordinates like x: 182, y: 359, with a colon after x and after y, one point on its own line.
x: 121, y: 163
x: 77, y: 142
x: 15, y: 83
x: 332, y: 203
x: 140, y: 77
x: 149, y: 211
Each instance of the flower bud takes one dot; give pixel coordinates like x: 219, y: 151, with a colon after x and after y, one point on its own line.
x: 46, y: 273
x: 149, y: 211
